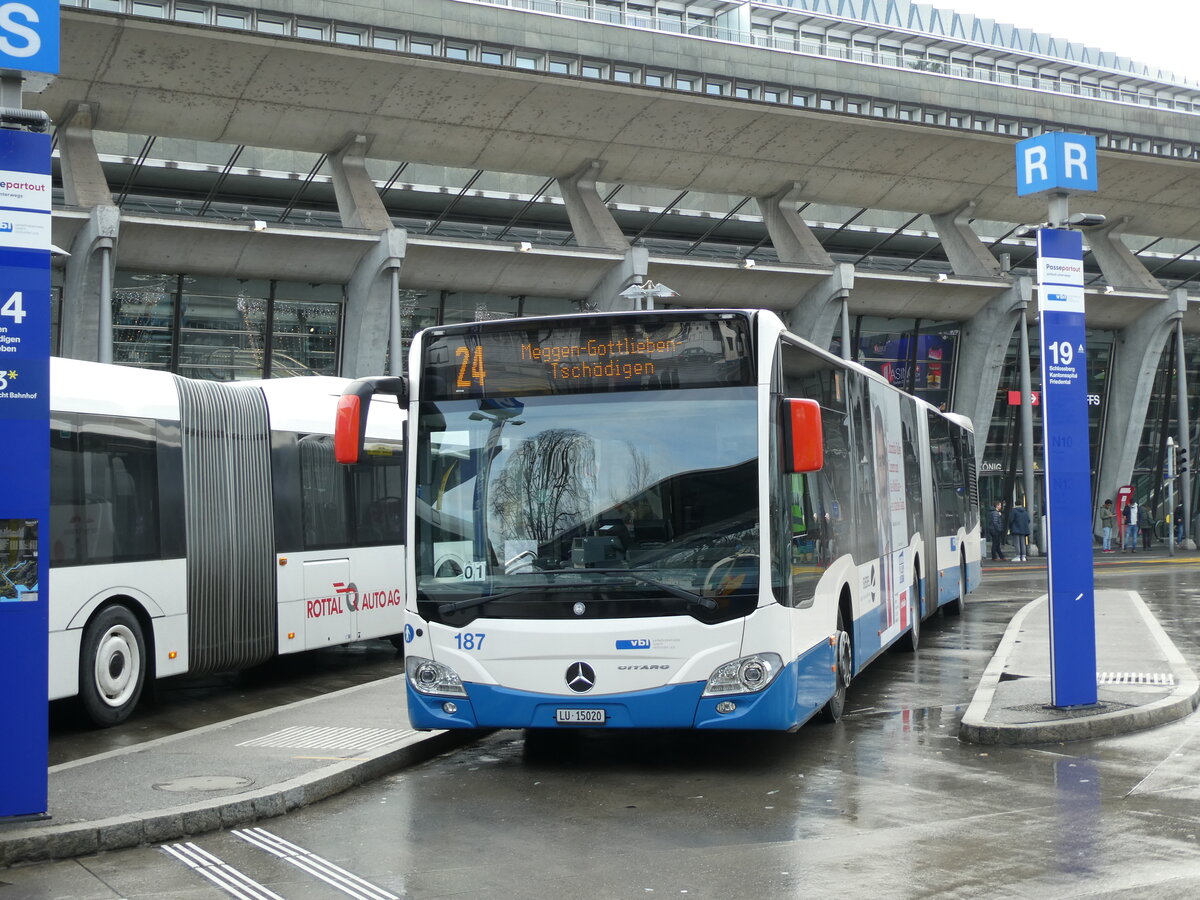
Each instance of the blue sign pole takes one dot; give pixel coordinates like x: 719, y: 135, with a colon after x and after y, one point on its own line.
x: 1067, y: 466
x: 29, y: 43
x: 1061, y: 163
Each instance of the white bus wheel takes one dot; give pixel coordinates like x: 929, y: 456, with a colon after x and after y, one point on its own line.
x: 112, y: 666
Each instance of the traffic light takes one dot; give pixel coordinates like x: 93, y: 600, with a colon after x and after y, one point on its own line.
x: 1180, y: 460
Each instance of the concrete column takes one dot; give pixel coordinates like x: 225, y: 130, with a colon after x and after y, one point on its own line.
x: 1120, y: 267
x: 358, y: 199
x: 791, y: 237
x: 365, y: 331
x: 819, y: 311
x: 87, y: 293
x: 593, y: 224
x: 633, y: 269
x: 967, y: 254
x: 1184, y: 426
x: 983, y: 345
x: 84, y: 184
x: 1136, y: 355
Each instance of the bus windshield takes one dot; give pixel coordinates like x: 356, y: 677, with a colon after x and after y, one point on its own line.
x: 611, y: 504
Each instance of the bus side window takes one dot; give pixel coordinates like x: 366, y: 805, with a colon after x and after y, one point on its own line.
x: 323, y: 494
x: 379, y: 495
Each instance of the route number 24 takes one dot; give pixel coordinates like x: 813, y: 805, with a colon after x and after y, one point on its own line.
x: 471, y: 371
x: 14, y: 308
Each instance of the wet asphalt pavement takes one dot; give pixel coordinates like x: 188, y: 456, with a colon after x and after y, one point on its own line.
x: 887, y: 803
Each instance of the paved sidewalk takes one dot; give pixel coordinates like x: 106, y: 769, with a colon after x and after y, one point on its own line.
x: 230, y: 773
x: 1142, y: 679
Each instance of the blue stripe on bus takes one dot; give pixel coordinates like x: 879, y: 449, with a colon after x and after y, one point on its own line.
x: 799, y: 691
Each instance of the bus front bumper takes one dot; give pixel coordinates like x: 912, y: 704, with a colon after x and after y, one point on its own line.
x: 798, y: 692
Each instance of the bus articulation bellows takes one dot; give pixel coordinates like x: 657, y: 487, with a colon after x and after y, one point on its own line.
x: 674, y: 519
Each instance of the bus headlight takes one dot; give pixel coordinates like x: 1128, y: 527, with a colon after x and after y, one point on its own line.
x: 429, y: 677
x: 747, y: 675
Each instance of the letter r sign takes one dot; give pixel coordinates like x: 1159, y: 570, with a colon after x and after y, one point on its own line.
x: 1056, y: 162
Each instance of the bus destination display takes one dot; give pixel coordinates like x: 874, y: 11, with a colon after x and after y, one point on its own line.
x: 602, y: 354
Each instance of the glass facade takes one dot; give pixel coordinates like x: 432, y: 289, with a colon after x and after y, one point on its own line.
x: 225, y: 329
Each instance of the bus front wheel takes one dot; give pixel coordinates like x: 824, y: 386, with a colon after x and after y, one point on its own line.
x: 842, y: 673
x: 112, y: 666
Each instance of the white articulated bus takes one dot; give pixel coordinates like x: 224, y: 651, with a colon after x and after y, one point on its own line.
x: 679, y: 519
x: 199, y: 527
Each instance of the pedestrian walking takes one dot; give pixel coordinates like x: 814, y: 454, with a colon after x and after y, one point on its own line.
x: 1106, y: 525
x: 1130, y: 515
x: 996, y: 529
x: 1018, y: 527
x: 1145, y: 525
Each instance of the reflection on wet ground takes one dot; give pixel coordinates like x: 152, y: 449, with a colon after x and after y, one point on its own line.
x: 186, y: 702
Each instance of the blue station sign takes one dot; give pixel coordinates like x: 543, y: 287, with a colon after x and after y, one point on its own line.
x: 1056, y: 162
x: 1067, y: 464
x: 25, y: 497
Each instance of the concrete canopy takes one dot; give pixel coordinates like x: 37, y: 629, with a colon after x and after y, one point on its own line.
x: 177, y: 80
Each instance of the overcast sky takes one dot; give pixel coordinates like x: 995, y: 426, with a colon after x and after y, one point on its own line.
x: 1162, y: 33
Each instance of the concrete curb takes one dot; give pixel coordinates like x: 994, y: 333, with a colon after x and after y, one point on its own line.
x: 1182, y: 700
x: 33, y: 843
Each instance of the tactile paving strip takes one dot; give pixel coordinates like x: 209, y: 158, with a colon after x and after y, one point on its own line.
x: 313, y: 737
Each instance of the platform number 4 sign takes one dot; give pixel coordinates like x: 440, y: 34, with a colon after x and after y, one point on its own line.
x: 14, y: 308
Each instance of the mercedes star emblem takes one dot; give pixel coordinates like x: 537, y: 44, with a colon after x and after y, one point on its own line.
x: 580, y: 677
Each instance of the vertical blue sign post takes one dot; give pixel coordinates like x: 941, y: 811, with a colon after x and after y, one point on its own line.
x: 1059, y: 163
x: 28, y: 43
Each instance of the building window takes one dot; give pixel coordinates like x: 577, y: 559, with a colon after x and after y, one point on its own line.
x: 716, y: 88
x: 232, y: 20
x: 625, y: 76
x: 310, y: 31
x: 422, y: 48
x: 771, y: 96
x: 350, y: 38
x: 523, y: 61
x: 492, y: 57
x: 830, y: 103
x: 684, y: 84
x: 743, y: 93
x: 591, y: 70
x: 271, y: 26
x: 560, y: 67
x: 385, y: 42
x: 454, y: 52
x: 144, y: 8
x: 198, y: 15
x: 801, y: 100
x: 653, y: 79
x: 853, y: 106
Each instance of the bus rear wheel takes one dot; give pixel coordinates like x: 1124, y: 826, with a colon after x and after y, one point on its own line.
x: 112, y: 666
x: 959, y: 606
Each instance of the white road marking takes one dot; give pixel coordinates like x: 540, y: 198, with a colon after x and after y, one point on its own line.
x: 346, y: 882
x: 220, y: 873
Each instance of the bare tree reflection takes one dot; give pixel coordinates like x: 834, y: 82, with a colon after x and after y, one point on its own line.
x: 546, y: 486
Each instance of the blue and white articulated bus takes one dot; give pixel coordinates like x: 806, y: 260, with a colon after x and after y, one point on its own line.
x: 664, y: 519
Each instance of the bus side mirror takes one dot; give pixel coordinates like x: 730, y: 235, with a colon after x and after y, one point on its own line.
x: 350, y: 425
x: 804, y: 446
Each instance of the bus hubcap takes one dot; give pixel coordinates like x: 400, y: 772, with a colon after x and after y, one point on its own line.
x: 117, y: 664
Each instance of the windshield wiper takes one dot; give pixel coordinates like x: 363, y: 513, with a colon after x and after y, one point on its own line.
x: 471, y: 602
x: 683, y: 593
x: 690, y: 596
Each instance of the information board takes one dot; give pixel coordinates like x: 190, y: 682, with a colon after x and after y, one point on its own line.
x: 24, y: 495
x: 1067, y: 464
